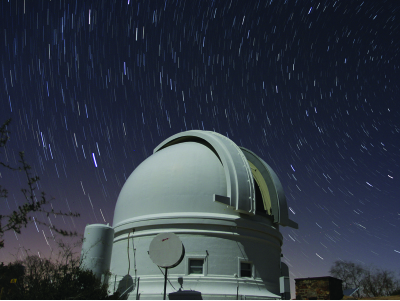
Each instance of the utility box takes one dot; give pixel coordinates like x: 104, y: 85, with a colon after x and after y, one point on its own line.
x: 319, y: 288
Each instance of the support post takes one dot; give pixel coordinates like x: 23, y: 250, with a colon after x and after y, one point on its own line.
x: 137, y: 289
x: 165, y: 282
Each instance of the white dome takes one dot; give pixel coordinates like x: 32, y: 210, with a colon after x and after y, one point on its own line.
x: 223, y: 202
x: 180, y: 178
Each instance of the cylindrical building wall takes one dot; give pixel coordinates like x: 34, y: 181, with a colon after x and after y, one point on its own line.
x: 97, y: 248
x: 222, y: 244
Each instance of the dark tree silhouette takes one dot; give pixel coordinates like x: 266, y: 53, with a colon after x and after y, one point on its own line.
x: 379, y: 282
x: 350, y: 273
x: 371, y: 282
x: 58, y: 277
x: 21, y: 217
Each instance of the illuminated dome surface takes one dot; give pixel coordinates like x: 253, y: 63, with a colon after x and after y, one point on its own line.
x: 222, y: 201
x: 180, y: 178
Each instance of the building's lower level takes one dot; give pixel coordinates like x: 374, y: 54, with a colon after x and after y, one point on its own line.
x: 225, y: 257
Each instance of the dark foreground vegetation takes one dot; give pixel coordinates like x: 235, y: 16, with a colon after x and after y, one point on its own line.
x: 371, y: 282
x: 60, y: 277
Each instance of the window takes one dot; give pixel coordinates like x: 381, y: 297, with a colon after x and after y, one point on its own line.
x: 246, y: 269
x: 196, y: 266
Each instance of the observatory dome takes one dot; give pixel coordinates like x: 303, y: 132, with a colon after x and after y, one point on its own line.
x: 196, y: 172
x: 222, y: 202
x: 180, y: 178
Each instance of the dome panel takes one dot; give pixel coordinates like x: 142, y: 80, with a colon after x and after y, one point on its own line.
x: 275, y: 196
x: 180, y: 178
x: 240, y: 193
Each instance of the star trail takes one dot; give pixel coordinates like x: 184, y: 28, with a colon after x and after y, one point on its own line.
x: 312, y: 87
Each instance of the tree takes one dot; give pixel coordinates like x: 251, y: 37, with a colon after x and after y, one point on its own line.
x: 59, y: 277
x: 21, y: 217
x: 378, y: 282
x: 372, y: 282
x: 350, y: 273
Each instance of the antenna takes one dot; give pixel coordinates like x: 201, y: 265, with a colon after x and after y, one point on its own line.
x: 167, y: 251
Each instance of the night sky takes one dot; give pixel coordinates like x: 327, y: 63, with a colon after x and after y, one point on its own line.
x: 312, y: 87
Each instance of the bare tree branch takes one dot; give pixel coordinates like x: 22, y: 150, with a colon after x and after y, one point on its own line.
x: 371, y: 282
x: 21, y: 217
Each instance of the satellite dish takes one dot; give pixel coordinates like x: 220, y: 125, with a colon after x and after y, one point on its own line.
x: 166, y: 250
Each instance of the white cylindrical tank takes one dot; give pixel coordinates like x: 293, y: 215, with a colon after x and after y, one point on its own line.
x: 97, y: 248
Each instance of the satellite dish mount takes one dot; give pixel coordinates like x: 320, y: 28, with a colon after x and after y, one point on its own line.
x: 167, y: 251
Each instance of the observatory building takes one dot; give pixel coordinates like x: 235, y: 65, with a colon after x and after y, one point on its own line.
x: 222, y: 202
